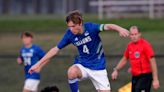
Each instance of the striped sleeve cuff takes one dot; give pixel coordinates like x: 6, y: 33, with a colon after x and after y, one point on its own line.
x: 102, y: 27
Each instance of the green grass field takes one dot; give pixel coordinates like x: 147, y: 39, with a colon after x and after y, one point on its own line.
x: 48, y: 32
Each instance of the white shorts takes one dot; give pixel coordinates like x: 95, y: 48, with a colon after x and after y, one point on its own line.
x: 99, y: 78
x: 31, y: 84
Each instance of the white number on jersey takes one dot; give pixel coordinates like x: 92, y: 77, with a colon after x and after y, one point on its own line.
x: 27, y: 61
x: 85, y: 49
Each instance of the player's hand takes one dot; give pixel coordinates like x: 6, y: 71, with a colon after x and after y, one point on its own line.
x: 35, y: 68
x: 19, y: 60
x: 114, y: 75
x: 156, y: 84
x: 124, y: 33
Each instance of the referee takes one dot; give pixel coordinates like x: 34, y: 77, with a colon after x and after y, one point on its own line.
x: 143, y: 64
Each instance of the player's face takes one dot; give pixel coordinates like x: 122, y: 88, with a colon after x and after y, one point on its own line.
x: 75, y: 28
x: 134, y: 35
x: 26, y: 40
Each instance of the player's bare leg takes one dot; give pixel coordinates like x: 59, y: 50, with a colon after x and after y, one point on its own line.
x: 74, y: 73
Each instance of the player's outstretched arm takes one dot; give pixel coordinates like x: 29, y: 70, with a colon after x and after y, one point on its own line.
x: 156, y: 84
x: 119, y: 66
x: 122, y: 31
x: 38, y: 66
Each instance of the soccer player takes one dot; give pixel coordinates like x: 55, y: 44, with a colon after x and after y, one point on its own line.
x: 30, y: 54
x: 91, y: 61
x: 142, y: 61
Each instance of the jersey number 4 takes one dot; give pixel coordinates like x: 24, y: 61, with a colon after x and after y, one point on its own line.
x: 85, y: 49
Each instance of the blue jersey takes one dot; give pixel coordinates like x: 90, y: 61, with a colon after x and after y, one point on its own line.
x: 89, y: 45
x: 31, y: 56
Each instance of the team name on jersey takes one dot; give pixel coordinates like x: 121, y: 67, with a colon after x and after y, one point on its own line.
x: 83, y: 41
x: 27, y: 54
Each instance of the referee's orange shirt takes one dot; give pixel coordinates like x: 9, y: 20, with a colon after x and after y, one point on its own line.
x: 139, y: 54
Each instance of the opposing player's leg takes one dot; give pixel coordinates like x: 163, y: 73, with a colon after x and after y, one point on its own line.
x: 74, y: 74
x: 31, y: 85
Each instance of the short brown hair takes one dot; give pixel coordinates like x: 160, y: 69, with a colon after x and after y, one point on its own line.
x: 75, y: 17
x: 27, y: 34
x: 134, y: 27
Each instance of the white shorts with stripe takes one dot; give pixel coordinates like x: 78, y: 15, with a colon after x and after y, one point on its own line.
x: 99, y: 78
x: 31, y: 85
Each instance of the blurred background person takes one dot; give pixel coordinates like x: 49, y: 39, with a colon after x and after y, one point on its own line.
x: 30, y: 54
x: 142, y: 61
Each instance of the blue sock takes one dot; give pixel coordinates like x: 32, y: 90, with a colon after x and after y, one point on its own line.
x: 74, y: 85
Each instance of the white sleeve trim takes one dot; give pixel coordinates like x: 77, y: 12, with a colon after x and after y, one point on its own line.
x: 102, y: 27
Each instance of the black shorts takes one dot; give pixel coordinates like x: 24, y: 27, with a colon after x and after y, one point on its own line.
x: 142, y: 83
